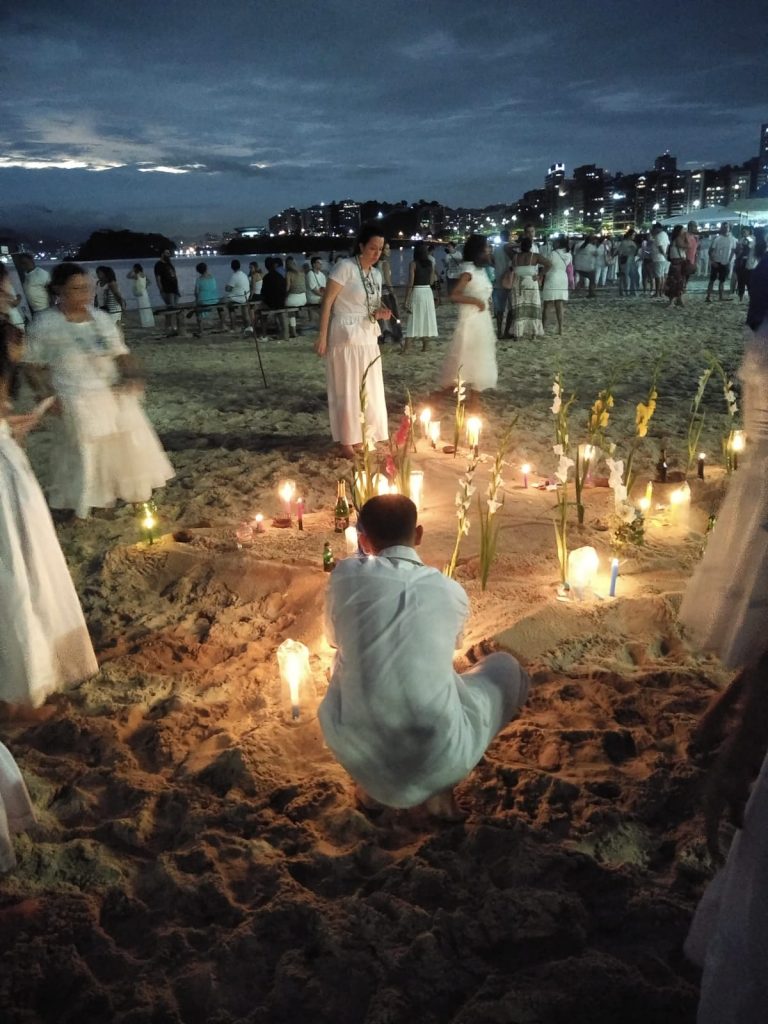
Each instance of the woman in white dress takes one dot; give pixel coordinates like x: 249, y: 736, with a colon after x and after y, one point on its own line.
x: 724, y: 609
x: 16, y: 811
x: 108, y: 295
x: 139, y: 288
x: 105, y: 449
x: 420, y: 300
x: 348, y: 340
x: 473, y: 346
x: 44, y: 643
x: 555, y: 289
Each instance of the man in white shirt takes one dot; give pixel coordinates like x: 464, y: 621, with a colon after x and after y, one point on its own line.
x: 452, y: 261
x: 720, y: 255
x: 35, y: 284
x: 405, y: 726
x: 316, y: 282
x: 659, y: 246
x: 238, y: 288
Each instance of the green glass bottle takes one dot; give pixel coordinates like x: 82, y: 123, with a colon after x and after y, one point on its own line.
x: 341, y: 511
x: 329, y: 562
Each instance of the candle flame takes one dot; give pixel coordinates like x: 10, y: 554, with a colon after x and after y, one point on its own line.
x: 526, y: 468
x: 474, y: 423
x: 425, y: 417
x: 287, y: 491
x: 738, y: 441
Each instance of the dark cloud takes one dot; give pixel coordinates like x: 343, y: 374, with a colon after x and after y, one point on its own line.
x: 262, y: 106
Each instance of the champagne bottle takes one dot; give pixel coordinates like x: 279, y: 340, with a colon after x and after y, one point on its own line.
x: 341, y: 511
x: 329, y: 562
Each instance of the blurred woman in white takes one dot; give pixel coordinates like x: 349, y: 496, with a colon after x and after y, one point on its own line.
x: 472, y: 351
x: 555, y: 289
x: 139, y: 289
x: 105, y: 449
x: 420, y: 300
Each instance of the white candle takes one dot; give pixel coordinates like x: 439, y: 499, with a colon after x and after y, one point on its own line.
x: 424, y: 418
x: 416, y: 487
x: 525, y: 469
x: 286, y: 492
x: 644, y: 504
x: 293, y: 663
x: 259, y: 521
x: 350, y: 536
x: 474, y: 423
x: 582, y: 569
x: 680, y: 506
x: 614, y: 577
x: 434, y: 432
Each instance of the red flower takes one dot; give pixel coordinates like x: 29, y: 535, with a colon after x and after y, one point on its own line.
x: 390, y: 468
x: 401, y: 437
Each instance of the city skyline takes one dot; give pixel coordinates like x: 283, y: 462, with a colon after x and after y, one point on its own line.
x: 157, y: 124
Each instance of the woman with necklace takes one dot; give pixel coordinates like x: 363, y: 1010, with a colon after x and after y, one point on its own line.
x: 45, y: 644
x: 348, y: 340
x: 106, y: 448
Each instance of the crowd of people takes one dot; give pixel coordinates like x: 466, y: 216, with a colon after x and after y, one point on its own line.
x: 400, y: 751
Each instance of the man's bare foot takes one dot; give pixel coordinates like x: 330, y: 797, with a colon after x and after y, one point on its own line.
x: 346, y: 451
x: 443, y: 806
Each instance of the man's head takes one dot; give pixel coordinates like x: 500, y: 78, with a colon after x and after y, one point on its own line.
x: 724, y: 229
x: 165, y: 255
x: 529, y: 231
x: 317, y: 263
x: 388, y: 520
x: 449, y: 247
x: 235, y: 264
x: 26, y: 262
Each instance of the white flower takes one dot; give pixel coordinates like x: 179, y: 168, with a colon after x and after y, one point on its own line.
x: 562, y: 468
x: 465, y: 527
x: 558, y: 449
x: 625, y: 510
x: 407, y: 412
x: 556, y: 406
x: 556, y: 401
x: 493, y: 506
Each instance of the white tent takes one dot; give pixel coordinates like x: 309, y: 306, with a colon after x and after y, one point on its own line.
x: 713, y: 216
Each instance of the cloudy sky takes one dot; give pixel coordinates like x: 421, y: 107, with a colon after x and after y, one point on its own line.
x: 186, y: 116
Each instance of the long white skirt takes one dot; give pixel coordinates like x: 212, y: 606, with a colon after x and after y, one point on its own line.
x: 352, y: 348
x: 422, y: 320
x: 44, y: 643
x: 106, y: 450
x: 729, y: 933
x: 473, y: 349
x: 146, y: 316
x: 726, y: 602
x: 16, y: 811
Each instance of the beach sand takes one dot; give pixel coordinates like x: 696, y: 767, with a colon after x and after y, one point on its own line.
x: 200, y: 858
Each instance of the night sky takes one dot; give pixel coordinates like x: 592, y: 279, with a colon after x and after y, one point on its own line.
x: 187, y: 117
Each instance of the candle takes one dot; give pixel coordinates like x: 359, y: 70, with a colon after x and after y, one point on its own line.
x: 680, y: 506
x: 259, y: 521
x: 350, y: 536
x: 424, y: 418
x: 614, y: 577
x: 582, y: 569
x: 434, y: 432
x: 416, y: 487
x: 644, y: 504
x: 148, y: 521
x: 286, y: 492
x: 300, y: 513
x: 525, y: 469
x: 649, y: 493
x: 244, y: 534
x: 700, y: 465
x: 293, y: 663
x: 738, y: 441
x: 473, y: 433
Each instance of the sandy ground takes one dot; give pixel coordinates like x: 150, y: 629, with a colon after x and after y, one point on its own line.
x: 200, y: 858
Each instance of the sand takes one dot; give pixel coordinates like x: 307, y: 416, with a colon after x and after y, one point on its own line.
x: 200, y: 858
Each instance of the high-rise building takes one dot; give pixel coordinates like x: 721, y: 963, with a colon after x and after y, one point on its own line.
x: 761, y: 183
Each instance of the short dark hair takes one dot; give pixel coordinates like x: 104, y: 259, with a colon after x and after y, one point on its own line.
x: 388, y: 519
x: 316, y: 259
x: 62, y: 272
x: 138, y: 268
x: 201, y: 268
x: 526, y: 244
x: 235, y: 264
x: 474, y: 247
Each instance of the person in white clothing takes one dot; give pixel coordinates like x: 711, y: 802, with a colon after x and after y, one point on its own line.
x: 139, y: 289
x: 659, y: 245
x: 720, y: 254
x: 35, y: 284
x: 238, y: 288
x: 348, y: 340
x: 452, y: 261
x: 397, y: 717
x: 315, y: 283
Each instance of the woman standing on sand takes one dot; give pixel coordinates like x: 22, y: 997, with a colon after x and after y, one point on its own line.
x: 105, y: 449
x: 472, y: 350
x: 419, y: 300
x: 348, y: 340
x: 677, y: 254
x: 108, y: 297
x: 555, y: 289
x: 44, y: 643
x: 139, y: 288
x: 724, y: 609
x: 525, y: 295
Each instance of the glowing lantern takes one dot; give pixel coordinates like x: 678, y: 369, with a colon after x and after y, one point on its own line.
x: 434, y: 432
x: 286, y: 491
x: 582, y: 570
x: 293, y: 662
x: 244, y: 534
x: 424, y: 419
x: 680, y: 506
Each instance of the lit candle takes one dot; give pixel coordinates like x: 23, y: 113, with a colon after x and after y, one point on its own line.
x: 300, y: 513
x: 286, y: 492
x: 350, y: 536
x: 649, y: 493
x: 148, y: 522
x: 680, y: 506
x: 424, y: 418
x: 582, y: 569
x: 525, y: 469
x: 644, y: 504
x: 700, y: 465
x: 738, y: 441
x: 473, y: 433
x: 293, y: 662
x: 434, y: 432
x: 416, y: 486
x: 614, y: 577
x: 259, y: 521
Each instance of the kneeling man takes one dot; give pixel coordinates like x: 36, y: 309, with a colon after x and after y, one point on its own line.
x: 399, y: 719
